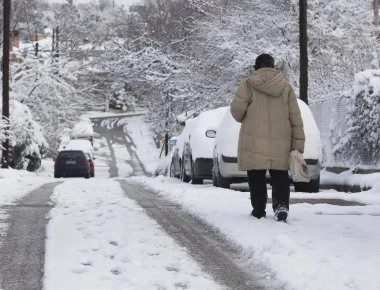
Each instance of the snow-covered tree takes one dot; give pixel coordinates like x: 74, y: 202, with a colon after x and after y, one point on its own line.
x: 51, y: 98
x: 27, y: 140
x: 361, y: 142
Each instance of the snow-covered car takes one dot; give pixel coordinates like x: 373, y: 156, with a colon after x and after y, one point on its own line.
x: 83, y: 130
x: 178, y: 149
x: 225, y: 168
x: 197, y: 149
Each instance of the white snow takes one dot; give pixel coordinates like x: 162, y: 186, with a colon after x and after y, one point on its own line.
x: 313, y: 144
x: 79, y: 144
x: 119, y: 2
x: 201, y: 145
x: 100, y: 239
x: 183, y: 138
x: 82, y: 129
x: 97, y: 238
x: 321, y: 247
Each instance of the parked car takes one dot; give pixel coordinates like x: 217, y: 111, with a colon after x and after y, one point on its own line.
x: 178, y: 149
x: 72, y: 163
x: 86, y: 147
x: 83, y: 130
x: 197, y: 161
x: 225, y: 168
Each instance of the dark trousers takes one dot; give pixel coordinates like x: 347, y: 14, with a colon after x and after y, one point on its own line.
x: 258, y: 189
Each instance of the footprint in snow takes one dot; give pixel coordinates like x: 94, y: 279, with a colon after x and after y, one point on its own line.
x: 85, y: 261
x: 172, y: 269
x: 116, y: 271
x: 79, y: 270
x: 114, y: 243
x: 180, y: 285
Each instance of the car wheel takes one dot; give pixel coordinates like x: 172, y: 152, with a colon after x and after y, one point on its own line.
x: 311, y: 186
x: 194, y: 180
x: 172, y: 173
x: 184, y: 176
x: 218, y: 180
x: 222, y: 182
x: 87, y: 176
x: 56, y: 175
x: 214, y: 182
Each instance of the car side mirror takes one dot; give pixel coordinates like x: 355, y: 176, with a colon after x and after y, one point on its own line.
x: 211, y: 133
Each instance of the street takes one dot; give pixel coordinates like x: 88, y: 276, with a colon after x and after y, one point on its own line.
x: 101, y: 217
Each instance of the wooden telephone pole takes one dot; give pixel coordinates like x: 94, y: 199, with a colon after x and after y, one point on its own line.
x: 5, y: 69
x: 304, y: 62
x: 376, y: 12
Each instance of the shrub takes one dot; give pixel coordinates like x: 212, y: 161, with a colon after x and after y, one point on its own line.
x: 361, y: 141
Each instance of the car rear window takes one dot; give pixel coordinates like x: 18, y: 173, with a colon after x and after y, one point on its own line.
x: 77, y: 155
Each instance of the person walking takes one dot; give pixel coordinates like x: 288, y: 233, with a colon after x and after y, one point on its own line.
x: 271, y: 127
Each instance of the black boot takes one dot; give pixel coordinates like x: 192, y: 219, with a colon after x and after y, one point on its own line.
x: 259, y: 215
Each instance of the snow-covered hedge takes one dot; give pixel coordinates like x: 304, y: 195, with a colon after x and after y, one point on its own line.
x: 360, y: 144
x: 28, y: 142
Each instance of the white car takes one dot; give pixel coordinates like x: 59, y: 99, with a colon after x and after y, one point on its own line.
x: 198, y: 149
x: 83, y: 130
x: 176, y: 169
x: 192, y: 156
x: 225, y: 168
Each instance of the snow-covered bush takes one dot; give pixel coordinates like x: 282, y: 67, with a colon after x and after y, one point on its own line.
x: 2, y: 132
x: 361, y: 142
x: 27, y: 142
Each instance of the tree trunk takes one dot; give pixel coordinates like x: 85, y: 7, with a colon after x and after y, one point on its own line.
x: 376, y: 12
x: 303, y: 92
x: 5, y: 67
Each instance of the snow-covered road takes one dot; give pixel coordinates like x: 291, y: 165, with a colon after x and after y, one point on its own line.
x: 98, y: 238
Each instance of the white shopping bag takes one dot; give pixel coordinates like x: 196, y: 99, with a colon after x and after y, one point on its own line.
x: 298, y: 167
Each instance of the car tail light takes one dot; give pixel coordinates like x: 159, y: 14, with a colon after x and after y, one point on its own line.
x: 84, y: 162
x: 57, y: 162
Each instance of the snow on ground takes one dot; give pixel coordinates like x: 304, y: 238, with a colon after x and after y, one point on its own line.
x: 141, y: 135
x: 119, y: 2
x: 100, y: 239
x: 321, y: 247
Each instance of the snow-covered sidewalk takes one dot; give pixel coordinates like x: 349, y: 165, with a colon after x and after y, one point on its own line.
x: 321, y: 247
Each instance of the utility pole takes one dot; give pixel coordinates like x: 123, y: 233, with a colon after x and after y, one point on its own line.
x: 5, y: 69
x: 304, y: 62
x: 376, y: 12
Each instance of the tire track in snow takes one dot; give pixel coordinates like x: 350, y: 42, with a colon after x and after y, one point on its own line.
x: 214, y: 253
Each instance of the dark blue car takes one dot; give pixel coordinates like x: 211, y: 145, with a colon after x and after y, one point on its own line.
x: 72, y: 163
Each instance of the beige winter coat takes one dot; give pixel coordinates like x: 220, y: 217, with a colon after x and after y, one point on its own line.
x: 267, y: 107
